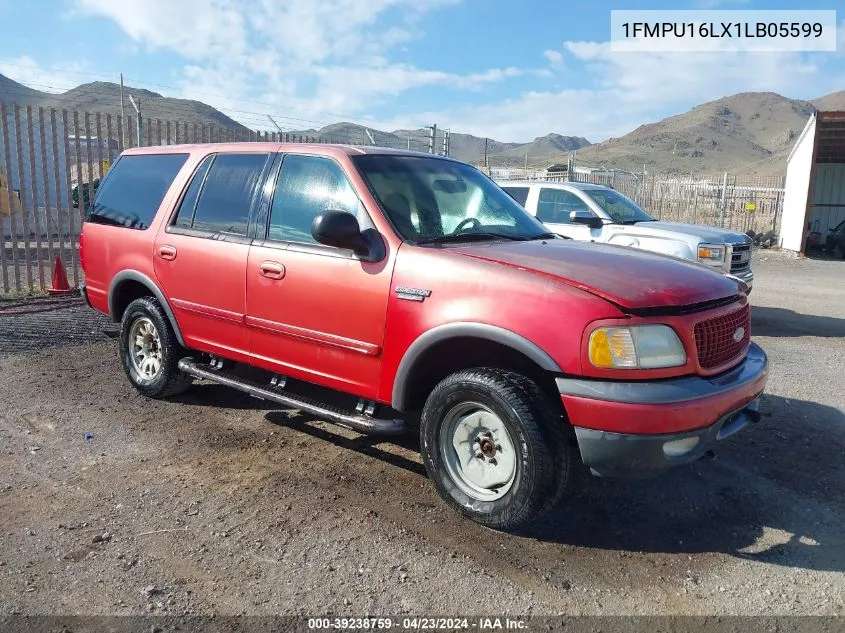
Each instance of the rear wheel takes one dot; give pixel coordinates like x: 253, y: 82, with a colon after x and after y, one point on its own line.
x: 839, y: 251
x: 495, y: 447
x: 149, y: 350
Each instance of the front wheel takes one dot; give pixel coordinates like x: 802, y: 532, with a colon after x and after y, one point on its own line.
x: 149, y: 350
x: 495, y: 447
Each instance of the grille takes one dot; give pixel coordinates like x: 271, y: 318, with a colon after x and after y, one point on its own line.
x: 741, y: 259
x: 714, y: 338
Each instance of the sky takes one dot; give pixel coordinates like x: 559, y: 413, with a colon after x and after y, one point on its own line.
x: 511, y: 70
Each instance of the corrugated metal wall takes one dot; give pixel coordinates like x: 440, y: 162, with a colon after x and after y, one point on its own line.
x: 828, y: 198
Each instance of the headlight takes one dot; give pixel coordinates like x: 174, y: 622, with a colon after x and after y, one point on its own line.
x: 636, y: 347
x: 711, y: 254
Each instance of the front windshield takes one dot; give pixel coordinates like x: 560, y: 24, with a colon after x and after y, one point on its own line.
x: 621, y: 209
x: 434, y: 199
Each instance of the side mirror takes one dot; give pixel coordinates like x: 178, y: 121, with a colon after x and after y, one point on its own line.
x: 340, y: 229
x: 585, y: 217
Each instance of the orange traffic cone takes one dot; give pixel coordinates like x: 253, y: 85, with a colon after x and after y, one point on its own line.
x: 60, y: 283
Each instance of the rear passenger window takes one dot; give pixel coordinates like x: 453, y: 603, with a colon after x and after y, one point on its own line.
x: 185, y: 217
x: 133, y: 190
x: 555, y: 205
x: 227, y: 194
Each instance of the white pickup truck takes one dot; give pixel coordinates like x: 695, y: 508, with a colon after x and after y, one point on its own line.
x: 595, y: 213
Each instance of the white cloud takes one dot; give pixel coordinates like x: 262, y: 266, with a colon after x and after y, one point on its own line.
x: 312, y: 56
x: 309, y: 62
x: 629, y: 89
x: 27, y: 71
x: 553, y: 56
x: 196, y: 29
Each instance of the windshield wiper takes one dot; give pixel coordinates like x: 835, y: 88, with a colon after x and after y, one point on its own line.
x: 542, y: 236
x: 469, y: 237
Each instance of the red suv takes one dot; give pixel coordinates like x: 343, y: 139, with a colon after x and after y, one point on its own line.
x: 379, y: 289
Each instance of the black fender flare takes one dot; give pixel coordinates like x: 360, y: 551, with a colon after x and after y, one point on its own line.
x: 448, y: 331
x: 133, y: 275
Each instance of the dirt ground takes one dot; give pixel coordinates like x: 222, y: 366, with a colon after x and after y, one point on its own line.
x: 214, y: 503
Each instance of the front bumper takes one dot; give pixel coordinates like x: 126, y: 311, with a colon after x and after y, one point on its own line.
x: 629, y: 429
x: 746, y: 277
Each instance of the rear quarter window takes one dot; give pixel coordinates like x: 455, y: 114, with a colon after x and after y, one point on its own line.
x: 520, y: 194
x: 133, y: 190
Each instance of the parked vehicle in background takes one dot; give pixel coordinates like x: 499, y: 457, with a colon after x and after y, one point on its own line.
x: 375, y: 287
x: 835, y: 241
x: 595, y: 213
x: 87, y: 189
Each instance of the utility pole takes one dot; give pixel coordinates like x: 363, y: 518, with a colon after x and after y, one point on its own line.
x: 486, y: 160
x: 122, y: 110
x: 137, y: 107
x: 432, y: 134
x: 409, y: 142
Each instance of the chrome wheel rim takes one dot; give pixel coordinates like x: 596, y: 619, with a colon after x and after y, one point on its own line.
x: 478, y: 452
x: 145, y: 348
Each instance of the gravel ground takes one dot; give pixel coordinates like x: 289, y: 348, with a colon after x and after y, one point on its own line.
x: 214, y: 503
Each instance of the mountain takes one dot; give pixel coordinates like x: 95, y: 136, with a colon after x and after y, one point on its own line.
x: 13, y: 92
x: 833, y: 101
x: 464, y: 147
x: 750, y: 132
x: 104, y: 97
x: 546, y: 146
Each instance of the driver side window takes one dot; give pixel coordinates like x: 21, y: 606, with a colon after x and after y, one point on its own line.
x: 308, y: 186
x: 555, y: 205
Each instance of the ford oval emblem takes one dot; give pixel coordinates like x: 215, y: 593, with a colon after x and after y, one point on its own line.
x: 739, y: 334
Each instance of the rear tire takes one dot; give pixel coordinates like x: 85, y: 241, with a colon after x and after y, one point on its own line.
x: 838, y: 251
x: 150, y: 352
x: 495, y: 447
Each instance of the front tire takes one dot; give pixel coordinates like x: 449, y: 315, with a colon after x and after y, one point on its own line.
x: 150, y: 352
x: 495, y: 447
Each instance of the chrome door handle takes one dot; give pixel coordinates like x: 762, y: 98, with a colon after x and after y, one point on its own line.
x: 167, y: 252
x: 272, y: 270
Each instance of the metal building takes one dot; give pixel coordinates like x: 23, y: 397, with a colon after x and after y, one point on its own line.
x: 814, y: 199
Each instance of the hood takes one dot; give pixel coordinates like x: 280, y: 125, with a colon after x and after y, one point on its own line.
x: 628, y: 277
x: 709, y: 234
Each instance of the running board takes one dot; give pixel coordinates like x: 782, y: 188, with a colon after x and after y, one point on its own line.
x: 360, y: 423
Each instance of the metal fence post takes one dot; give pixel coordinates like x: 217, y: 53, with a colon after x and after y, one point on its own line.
x: 722, y: 201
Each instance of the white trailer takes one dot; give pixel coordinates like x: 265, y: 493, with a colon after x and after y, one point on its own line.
x: 814, y: 200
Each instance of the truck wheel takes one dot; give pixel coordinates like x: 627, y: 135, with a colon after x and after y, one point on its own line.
x: 495, y: 447
x: 150, y: 352
x: 838, y: 251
